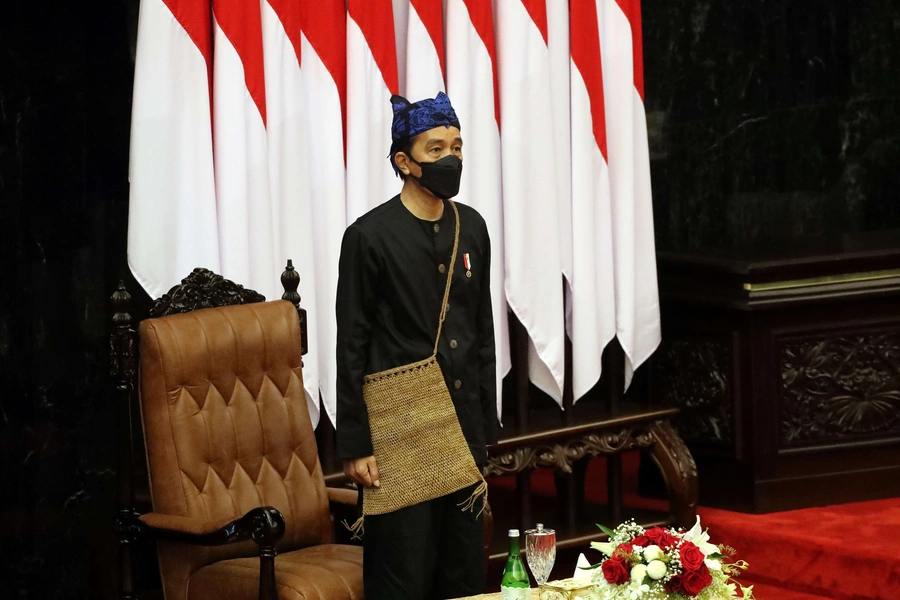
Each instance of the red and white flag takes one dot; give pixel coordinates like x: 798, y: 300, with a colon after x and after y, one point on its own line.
x: 172, y: 205
x: 371, y: 80
x: 240, y: 148
x: 560, y: 60
x: 637, y: 297
x: 324, y: 76
x: 424, y: 73
x: 591, y: 315
x: 530, y: 215
x: 290, y: 193
x: 211, y: 185
x: 471, y: 83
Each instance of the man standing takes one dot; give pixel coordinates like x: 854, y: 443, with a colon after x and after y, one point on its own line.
x: 393, y: 274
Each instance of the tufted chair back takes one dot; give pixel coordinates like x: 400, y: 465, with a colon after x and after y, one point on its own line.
x: 227, y: 428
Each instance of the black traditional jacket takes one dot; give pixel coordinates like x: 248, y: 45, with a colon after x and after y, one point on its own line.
x: 393, y: 271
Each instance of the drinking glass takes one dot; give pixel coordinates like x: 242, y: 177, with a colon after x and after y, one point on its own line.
x: 540, y: 550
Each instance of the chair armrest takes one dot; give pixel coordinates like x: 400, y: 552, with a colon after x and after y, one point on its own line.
x: 264, y: 525
x: 186, y: 525
x: 342, y: 497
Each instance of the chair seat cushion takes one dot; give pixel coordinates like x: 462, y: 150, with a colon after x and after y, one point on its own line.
x: 327, y: 572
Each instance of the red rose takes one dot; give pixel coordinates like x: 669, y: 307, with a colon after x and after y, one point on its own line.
x: 642, y: 540
x: 674, y: 584
x: 691, y: 556
x: 694, y: 582
x: 616, y: 570
x: 661, y: 537
x: 623, y: 549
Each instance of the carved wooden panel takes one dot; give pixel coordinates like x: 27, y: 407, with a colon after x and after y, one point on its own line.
x: 840, y: 389
x: 203, y: 289
x: 563, y: 454
x: 696, y: 376
x: 665, y: 446
x: 679, y: 472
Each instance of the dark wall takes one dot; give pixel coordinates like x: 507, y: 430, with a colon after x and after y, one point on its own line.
x: 770, y: 120
x: 65, y: 90
x: 767, y: 120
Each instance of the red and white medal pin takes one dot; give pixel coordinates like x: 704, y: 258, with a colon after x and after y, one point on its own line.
x: 468, y: 264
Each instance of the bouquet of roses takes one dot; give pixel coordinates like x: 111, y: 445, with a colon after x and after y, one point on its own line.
x: 665, y: 564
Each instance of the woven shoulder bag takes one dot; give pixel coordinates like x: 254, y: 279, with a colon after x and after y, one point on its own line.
x: 418, y: 443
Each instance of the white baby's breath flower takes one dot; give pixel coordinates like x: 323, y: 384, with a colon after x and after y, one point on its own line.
x: 656, y: 569
x: 653, y: 552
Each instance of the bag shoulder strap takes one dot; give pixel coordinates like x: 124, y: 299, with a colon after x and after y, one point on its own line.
x: 449, y: 279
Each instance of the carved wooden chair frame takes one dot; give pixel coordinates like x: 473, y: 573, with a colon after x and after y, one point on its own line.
x: 264, y: 525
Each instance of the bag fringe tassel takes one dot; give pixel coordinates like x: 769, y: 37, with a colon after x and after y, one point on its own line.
x: 481, y: 491
x: 358, y: 529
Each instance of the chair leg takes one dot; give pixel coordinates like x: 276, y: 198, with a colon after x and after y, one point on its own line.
x: 126, y: 579
x: 267, y: 588
x: 267, y: 529
x: 128, y: 527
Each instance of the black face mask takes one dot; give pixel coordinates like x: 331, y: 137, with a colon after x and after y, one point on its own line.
x: 441, y: 177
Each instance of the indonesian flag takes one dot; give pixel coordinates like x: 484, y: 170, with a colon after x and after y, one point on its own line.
x: 471, y: 83
x: 289, y: 190
x: 530, y: 215
x: 637, y: 298
x: 371, y: 80
x: 560, y: 59
x: 172, y: 208
x: 591, y: 318
x: 240, y: 149
x: 424, y: 50
x: 324, y: 82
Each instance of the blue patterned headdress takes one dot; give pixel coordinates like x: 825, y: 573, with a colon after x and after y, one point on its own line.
x: 412, y: 118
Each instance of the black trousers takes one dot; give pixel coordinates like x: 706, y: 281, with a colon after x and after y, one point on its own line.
x: 430, y: 551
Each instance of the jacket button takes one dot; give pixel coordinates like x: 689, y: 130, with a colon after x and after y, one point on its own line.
x: 437, y: 228
x: 442, y: 268
x: 457, y: 384
x: 453, y: 344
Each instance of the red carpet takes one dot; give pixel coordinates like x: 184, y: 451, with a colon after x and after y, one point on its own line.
x: 847, y: 552
x: 844, y: 552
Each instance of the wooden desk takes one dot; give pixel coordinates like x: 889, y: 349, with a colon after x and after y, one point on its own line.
x: 785, y: 362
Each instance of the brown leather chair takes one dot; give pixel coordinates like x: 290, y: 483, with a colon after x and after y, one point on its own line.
x: 234, y: 471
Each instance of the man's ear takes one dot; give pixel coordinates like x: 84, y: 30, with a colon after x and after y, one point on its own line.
x: 402, y: 161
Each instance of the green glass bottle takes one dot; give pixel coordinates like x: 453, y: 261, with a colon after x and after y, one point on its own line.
x: 515, y: 584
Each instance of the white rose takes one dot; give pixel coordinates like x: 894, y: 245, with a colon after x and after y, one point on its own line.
x: 656, y: 569
x: 652, y: 553
x: 638, y: 572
